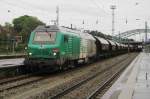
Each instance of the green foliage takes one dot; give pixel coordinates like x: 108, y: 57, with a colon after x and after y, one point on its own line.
x: 6, y: 30
x: 22, y: 26
x: 25, y: 24
x: 20, y: 48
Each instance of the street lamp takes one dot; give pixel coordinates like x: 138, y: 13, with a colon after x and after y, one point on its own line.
x: 146, y: 26
x: 113, y: 7
x: 9, y: 36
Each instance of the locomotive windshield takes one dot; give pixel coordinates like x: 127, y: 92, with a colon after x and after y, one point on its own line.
x: 45, y: 37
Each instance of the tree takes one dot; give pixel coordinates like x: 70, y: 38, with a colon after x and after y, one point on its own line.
x: 1, y: 28
x: 25, y: 24
x: 8, y: 28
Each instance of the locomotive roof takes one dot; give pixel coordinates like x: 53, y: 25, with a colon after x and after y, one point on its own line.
x: 63, y: 29
x: 46, y: 28
x: 55, y: 28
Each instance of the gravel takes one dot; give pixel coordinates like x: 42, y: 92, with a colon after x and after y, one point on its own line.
x: 60, y: 81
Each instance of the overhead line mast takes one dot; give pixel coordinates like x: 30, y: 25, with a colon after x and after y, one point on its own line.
x: 57, y: 18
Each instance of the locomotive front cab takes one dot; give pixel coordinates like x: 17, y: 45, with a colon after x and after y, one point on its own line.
x: 43, y: 44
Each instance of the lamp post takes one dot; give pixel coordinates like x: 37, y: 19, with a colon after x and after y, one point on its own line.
x: 146, y: 26
x: 113, y: 7
x: 8, y: 35
x: 146, y: 36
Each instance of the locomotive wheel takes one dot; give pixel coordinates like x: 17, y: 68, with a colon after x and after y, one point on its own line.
x: 63, y: 67
x: 71, y: 64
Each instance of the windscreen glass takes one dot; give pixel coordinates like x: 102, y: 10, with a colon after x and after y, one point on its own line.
x: 45, y: 37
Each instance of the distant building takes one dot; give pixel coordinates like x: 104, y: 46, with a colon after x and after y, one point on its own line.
x: 1, y: 29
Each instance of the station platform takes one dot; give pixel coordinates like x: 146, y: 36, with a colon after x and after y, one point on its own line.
x: 5, y: 63
x: 134, y: 82
x: 7, y: 56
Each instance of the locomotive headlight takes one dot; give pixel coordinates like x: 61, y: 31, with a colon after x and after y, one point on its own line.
x: 25, y: 48
x: 30, y: 53
x: 54, y: 54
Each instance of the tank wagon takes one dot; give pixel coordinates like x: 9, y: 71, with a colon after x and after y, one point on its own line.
x: 59, y: 46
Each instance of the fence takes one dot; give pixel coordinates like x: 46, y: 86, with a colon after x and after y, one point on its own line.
x: 11, y: 46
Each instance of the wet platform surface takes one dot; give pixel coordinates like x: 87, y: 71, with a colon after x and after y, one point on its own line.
x: 134, y: 83
x: 5, y: 63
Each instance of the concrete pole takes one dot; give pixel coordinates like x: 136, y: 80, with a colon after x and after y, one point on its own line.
x: 145, y: 31
x: 113, y: 7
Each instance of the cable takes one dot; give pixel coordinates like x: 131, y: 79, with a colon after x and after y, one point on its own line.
x: 93, y: 1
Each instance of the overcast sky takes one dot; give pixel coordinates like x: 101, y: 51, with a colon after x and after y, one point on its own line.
x: 75, y: 11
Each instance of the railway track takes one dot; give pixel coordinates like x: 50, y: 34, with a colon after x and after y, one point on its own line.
x: 10, y: 83
x: 71, y: 89
x: 10, y: 86
x: 107, y: 84
x: 20, y: 81
x: 12, y: 79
